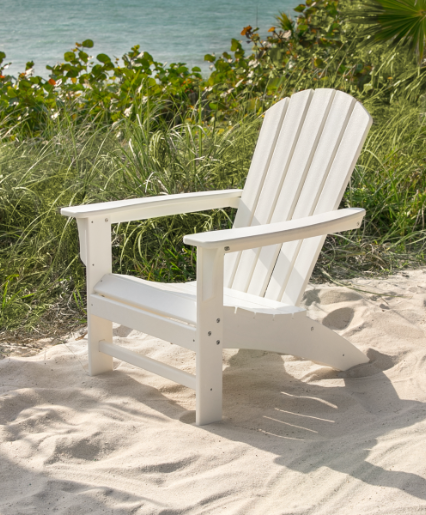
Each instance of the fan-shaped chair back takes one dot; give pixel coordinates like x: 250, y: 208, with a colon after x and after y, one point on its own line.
x: 305, y: 155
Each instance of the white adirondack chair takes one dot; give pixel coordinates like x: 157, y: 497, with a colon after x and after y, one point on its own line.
x: 250, y: 279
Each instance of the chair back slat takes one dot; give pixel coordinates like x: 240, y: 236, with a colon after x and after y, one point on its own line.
x: 300, y: 169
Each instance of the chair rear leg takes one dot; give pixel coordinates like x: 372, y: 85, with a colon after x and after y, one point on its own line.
x: 296, y: 335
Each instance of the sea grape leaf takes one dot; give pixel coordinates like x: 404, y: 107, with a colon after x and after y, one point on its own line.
x: 88, y: 43
x: 235, y: 45
x: 69, y: 56
x: 83, y: 56
x: 73, y: 72
x: 103, y: 58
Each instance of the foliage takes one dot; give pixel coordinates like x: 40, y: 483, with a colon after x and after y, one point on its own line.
x: 393, y: 20
x: 101, y: 90
x: 99, y: 129
x: 318, y: 48
x: 83, y: 163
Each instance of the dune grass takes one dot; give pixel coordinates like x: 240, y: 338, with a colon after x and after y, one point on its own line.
x: 42, y: 278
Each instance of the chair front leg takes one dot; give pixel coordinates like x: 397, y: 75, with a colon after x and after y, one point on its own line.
x: 98, y: 260
x: 209, y: 335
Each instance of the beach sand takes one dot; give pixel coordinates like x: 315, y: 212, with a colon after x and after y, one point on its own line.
x: 296, y: 438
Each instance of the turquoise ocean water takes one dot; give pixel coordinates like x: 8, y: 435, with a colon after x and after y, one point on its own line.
x: 171, y: 30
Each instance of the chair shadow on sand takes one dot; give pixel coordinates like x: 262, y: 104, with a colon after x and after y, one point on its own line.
x: 317, y: 426
x: 320, y: 426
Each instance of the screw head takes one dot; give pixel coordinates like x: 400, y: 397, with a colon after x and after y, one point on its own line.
x: 209, y: 333
x: 106, y: 219
x: 227, y: 248
x: 217, y: 320
x: 217, y: 342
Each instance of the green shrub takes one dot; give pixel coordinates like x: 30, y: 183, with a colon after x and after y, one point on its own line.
x: 101, y: 130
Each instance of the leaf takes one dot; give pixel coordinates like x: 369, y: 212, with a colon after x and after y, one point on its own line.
x: 210, y: 58
x: 87, y: 43
x: 277, y: 55
x: 300, y: 8
x: 274, y: 83
x: 69, y: 56
x: 235, y: 45
x: 246, y: 29
x: 97, y: 69
x: 109, y: 66
x: 103, y: 58
x: 392, y: 20
x: 83, y: 56
x: 52, y: 82
x: 285, y: 22
x: 73, y: 72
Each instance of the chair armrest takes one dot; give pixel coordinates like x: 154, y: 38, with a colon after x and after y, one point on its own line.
x: 151, y: 207
x: 270, y: 234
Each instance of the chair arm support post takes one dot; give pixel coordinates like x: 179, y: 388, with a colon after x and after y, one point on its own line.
x: 209, y: 339
x: 98, y: 260
x: 243, y: 238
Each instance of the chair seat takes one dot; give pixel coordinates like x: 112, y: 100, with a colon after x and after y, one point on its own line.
x: 178, y: 301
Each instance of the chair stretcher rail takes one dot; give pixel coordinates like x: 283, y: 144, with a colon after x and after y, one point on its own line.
x: 151, y: 365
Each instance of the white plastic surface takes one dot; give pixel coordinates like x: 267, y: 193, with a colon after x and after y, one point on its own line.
x: 261, y: 235
x: 151, y: 207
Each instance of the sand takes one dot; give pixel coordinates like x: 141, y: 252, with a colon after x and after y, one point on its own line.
x: 296, y: 438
